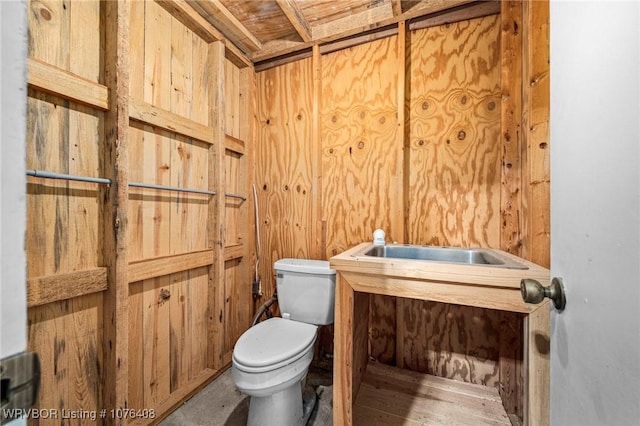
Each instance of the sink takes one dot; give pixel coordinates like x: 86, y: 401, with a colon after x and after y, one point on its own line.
x: 465, y: 256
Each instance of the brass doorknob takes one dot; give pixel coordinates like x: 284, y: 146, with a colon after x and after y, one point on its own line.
x: 534, y: 292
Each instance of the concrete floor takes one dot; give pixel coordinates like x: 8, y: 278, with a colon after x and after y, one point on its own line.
x: 221, y: 404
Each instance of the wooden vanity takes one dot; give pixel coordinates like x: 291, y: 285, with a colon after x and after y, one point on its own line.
x: 482, y: 286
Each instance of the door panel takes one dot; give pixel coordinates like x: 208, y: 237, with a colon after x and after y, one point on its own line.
x: 595, y: 232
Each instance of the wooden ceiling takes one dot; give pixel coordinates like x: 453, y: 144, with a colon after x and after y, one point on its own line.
x: 265, y: 29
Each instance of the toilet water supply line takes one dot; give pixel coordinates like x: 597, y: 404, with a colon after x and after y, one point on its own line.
x: 256, y: 285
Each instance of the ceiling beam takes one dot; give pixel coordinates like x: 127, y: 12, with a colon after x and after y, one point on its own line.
x: 396, y: 7
x: 186, y: 14
x: 192, y: 19
x: 434, y: 12
x: 296, y: 17
x: 220, y: 17
x: 362, y: 21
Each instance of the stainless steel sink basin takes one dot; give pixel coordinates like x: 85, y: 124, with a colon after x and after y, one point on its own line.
x: 467, y: 256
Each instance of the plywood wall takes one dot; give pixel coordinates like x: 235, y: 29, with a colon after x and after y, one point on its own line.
x: 284, y: 166
x: 362, y: 170
x: 454, y: 170
x: 136, y: 295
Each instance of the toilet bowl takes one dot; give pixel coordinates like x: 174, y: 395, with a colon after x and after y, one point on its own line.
x: 271, y: 360
x: 269, y: 364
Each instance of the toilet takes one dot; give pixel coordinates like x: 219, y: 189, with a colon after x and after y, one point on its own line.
x: 270, y: 360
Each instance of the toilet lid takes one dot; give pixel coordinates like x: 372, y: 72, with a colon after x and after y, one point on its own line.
x: 273, y: 341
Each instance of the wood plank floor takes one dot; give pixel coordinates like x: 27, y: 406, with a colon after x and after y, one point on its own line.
x: 391, y: 396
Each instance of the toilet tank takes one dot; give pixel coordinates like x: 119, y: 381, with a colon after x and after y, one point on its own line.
x: 306, y: 290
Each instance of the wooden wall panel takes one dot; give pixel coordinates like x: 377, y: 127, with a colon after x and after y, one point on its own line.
x: 93, y: 355
x: 238, y: 300
x: 67, y: 337
x: 361, y: 172
x: 171, y: 335
x: 453, y: 103
x: 362, y: 185
x: 233, y: 228
x: 233, y: 114
x: 283, y: 165
x: 535, y: 121
x: 64, y: 219
x: 238, y: 310
x: 63, y: 137
x: 454, y: 131
x: 169, y: 317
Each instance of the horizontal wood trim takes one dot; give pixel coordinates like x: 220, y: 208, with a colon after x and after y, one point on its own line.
x: 235, y: 55
x: 158, y: 117
x: 360, y: 39
x: 233, y: 144
x: 53, y: 288
x: 227, y: 357
x: 285, y: 59
x: 353, y: 260
x: 151, y: 268
x: 457, y: 14
x: 59, y: 82
x: 505, y: 299
x: 178, y: 397
x: 233, y: 252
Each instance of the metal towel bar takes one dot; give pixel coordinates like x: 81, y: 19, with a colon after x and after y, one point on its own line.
x: 62, y: 176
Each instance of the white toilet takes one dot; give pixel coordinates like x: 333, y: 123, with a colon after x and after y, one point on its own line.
x: 271, y: 359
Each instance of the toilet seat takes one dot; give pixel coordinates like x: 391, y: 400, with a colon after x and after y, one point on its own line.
x: 272, y: 344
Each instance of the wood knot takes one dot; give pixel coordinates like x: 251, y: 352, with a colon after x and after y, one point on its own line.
x: 461, y: 135
x: 425, y: 105
x: 491, y: 106
x: 164, y: 294
x: 45, y: 13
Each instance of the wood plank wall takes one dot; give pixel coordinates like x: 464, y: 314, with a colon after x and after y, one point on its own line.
x: 449, y: 173
x: 136, y: 296
x: 64, y: 219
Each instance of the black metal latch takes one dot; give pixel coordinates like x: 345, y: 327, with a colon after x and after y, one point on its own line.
x: 19, y: 384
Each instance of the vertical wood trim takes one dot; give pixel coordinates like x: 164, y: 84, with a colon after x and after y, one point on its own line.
x: 537, y: 349
x: 116, y: 311
x: 403, y: 162
x: 246, y: 219
x: 216, y: 220
x: 511, y: 87
x: 317, y: 232
x: 535, y: 149
x: 343, y: 354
